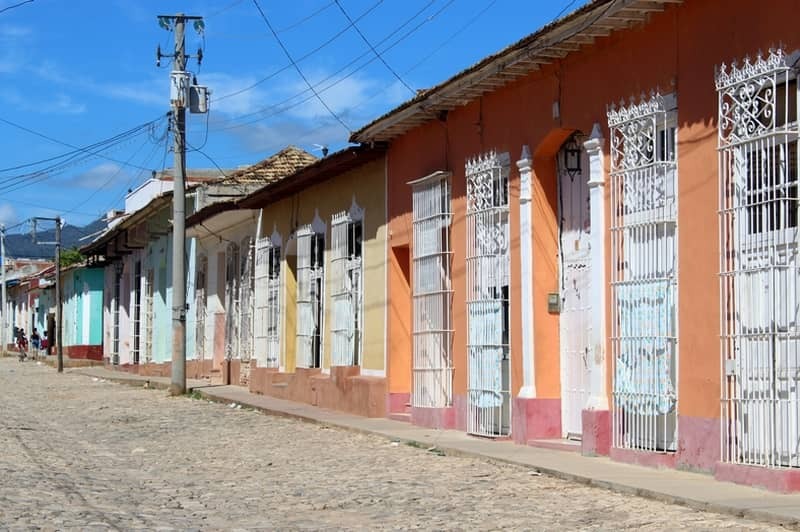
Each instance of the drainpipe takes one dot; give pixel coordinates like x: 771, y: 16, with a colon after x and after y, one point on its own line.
x: 528, y: 389
x: 598, y: 398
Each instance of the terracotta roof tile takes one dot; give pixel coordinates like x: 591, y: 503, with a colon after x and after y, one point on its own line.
x: 274, y: 168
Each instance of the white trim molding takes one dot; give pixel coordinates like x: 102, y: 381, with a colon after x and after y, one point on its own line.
x: 598, y: 396
x: 524, y: 164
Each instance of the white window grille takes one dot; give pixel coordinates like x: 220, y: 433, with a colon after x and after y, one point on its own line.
x: 244, y: 342
x: 246, y: 281
x: 432, y: 330
x: 115, y: 306
x: 232, y: 283
x: 644, y: 273
x: 136, y: 282
x: 148, y: 316
x: 346, y: 267
x: 488, y: 260
x: 200, y: 307
x: 268, y: 299
x: 759, y: 264
x: 310, y: 292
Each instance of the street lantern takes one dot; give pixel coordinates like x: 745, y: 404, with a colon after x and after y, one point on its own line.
x: 572, y: 157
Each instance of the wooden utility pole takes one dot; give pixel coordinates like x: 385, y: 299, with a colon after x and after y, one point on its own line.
x: 180, y: 82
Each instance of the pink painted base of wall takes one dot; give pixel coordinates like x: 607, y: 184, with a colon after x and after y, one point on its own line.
x: 195, y: 369
x: 344, y: 389
x: 434, y: 418
x: 698, y: 444
x: 84, y: 352
x: 644, y: 458
x: 398, y: 403
x: 596, y: 437
x: 535, y: 419
x: 782, y: 480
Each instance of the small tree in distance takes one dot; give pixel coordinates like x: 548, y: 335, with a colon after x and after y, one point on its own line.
x: 71, y: 256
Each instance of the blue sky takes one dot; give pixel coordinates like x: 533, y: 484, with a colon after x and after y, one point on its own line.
x: 82, y: 71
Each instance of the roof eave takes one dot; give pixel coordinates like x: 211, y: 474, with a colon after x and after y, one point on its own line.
x: 549, y: 44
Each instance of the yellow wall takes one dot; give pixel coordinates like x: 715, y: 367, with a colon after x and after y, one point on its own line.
x: 366, y: 184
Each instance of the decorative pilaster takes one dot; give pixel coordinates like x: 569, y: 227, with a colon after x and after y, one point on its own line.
x: 598, y: 399
x: 528, y: 389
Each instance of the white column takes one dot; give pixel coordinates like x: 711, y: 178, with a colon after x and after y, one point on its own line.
x: 528, y: 389
x: 598, y: 399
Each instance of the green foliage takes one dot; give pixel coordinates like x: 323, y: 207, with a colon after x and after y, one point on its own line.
x: 70, y: 257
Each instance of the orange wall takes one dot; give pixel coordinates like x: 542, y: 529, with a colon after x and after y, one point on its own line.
x: 677, y: 51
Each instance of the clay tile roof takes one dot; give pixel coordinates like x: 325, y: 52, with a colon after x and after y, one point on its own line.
x: 274, y: 168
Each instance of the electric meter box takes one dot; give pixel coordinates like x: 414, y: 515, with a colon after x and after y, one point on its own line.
x: 198, y: 99
x: 179, y: 88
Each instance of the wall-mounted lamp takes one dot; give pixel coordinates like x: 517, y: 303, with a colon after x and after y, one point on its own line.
x: 572, y: 157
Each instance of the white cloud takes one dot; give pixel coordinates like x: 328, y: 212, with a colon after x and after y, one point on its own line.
x: 153, y: 91
x: 8, y: 215
x: 100, y: 176
x: 9, y: 32
x: 58, y: 104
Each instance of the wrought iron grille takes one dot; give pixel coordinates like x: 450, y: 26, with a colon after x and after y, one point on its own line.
x: 759, y: 264
x: 267, y: 299
x: 232, y: 283
x: 644, y: 274
x: 310, y: 287
x: 432, y: 329
x: 246, y: 281
x: 115, y: 311
x: 487, y: 261
x: 200, y: 307
x: 148, y: 316
x: 136, y: 282
x: 346, y: 269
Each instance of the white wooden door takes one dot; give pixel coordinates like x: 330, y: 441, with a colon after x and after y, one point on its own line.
x: 575, y: 275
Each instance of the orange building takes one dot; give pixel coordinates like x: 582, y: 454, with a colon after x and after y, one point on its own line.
x: 593, y: 235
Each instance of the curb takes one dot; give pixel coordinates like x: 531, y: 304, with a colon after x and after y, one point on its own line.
x: 719, y: 508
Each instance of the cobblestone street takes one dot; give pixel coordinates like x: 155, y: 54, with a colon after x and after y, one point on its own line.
x: 77, y: 452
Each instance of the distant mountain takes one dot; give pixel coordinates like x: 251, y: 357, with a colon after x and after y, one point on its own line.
x: 21, y: 245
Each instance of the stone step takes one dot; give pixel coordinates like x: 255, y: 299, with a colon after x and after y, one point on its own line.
x: 400, y: 416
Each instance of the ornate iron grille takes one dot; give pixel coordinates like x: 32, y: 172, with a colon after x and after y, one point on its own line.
x: 232, y: 284
x: 644, y: 274
x: 267, y: 299
x: 310, y: 286
x: 346, y: 268
x: 148, y: 316
x: 115, y: 311
x: 432, y: 330
x: 136, y: 282
x: 487, y: 261
x: 246, y: 281
x: 200, y: 307
x: 759, y: 265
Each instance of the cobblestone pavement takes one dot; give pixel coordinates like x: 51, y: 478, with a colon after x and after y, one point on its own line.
x: 77, y: 452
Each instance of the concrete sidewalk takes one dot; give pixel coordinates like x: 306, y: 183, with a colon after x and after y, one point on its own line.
x: 679, y: 487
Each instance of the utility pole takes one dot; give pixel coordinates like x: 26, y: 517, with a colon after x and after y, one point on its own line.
x: 179, y: 100
x: 4, y: 293
x: 57, y: 244
x: 59, y: 351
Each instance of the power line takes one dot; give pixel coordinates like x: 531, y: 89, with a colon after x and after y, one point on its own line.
x: 305, y: 19
x: 275, y: 107
x: 299, y: 59
x: 379, y: 56
x: 12, y: 183
x: 297, y: 68
x: 56, y: 141
x: 15, y: 5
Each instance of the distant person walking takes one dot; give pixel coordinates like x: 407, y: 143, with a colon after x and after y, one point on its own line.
x: 22, y: 344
